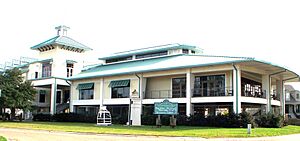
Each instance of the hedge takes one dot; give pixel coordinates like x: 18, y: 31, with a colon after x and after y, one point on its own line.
x: 229, y: 120
x: 66, y: 117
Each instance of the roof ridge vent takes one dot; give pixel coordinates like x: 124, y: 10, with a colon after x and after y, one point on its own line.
x: 62, y: 30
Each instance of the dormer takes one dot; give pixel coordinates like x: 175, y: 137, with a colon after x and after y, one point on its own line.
x: 151, y: 52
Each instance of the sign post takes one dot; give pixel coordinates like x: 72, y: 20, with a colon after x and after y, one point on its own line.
x: 166, y: 108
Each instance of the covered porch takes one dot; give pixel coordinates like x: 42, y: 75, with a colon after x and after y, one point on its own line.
x: 53, y: 96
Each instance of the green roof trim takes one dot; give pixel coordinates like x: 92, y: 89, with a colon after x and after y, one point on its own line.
x: 162, y: 63
x: 37, y: 61
x: 71, y: 62
x: 156, y: 64
x: 151, y: 50
x: 119, y: 83
x: 85, y: 86
x: 61, y: 40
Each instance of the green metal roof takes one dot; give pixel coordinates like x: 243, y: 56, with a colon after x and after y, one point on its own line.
x: 157, y: 64
x: 37, y: 61
x: 150, y: 50
x: 62, y: 40
x: 119, y: 83
x: 84, y: 86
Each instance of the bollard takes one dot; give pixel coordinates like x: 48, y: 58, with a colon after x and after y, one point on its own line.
x: 249, y: 128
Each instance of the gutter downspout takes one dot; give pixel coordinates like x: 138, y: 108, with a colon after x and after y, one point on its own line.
x: 68, y: 82
x: 236, y: 89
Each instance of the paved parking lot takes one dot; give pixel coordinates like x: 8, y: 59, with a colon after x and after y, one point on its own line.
x: 39, y: 135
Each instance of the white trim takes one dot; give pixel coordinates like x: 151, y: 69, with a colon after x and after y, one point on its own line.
x: 85, y: 102
x: 254, y: 100
x: 151, y: 101
x: 212, y: 99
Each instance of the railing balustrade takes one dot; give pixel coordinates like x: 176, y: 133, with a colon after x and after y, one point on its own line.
x: 211, y: 92
x: 258, y: 94
x: 162, y: 94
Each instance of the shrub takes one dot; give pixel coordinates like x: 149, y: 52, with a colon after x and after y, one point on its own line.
x: 231, y: 121
x: 42, y: 117
x: 270, y: 120
x: 148, y: 119
x: 182, y: 120
x: 247, y: 118
x: 73, y: 117
x: 119, y: 119
x: 197, y: 120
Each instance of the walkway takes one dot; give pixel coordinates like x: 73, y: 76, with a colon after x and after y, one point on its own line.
x: 39, y: 135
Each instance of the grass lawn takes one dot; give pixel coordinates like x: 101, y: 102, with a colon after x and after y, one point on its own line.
x: 2, y: 138
x: 206, y: 132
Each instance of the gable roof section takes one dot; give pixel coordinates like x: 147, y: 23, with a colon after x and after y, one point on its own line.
x: 61, y: 40
x: 150, y: 50
x: 157, y: 64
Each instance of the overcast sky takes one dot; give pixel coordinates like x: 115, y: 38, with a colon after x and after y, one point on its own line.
x: 266, y: 30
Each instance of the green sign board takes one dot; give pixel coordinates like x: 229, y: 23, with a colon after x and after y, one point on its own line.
x: 165, y: 108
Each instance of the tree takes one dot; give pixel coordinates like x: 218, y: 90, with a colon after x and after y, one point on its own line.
x: 17, y: 93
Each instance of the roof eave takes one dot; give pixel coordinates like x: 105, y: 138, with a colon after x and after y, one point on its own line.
x: 180, y: 67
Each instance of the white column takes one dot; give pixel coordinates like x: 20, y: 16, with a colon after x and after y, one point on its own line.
x: 53, y: 99
x: 189, y: 87
x: 266, y: 89
x: 102, y: 92
x: 237, y: 106
x: 71, y: 98
x: 280, y: 92
x: 136, y: 106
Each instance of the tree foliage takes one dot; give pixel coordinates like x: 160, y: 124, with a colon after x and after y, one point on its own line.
x: 16, y: 92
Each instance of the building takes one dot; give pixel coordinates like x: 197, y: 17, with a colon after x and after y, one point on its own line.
x: 292, y: 106
x: 131, y: 81
x: 58, y: 58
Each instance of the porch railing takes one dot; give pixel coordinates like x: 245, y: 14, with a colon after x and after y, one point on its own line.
x: 258, y: 94
x: 210, y: 92
x: 275, y: 95
x: 162, y: 94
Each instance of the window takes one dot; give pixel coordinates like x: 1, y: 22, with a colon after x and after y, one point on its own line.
x: 297, y: 96
x: 193, y: 52
x: 70, y: 68
x: 147, y: 55
x: 185, y: 51
x: 36, y: 75
x: 120, y: 92
x: 120, y: 89
x: 42, y: 97
x: 178, y: 87
x: 298, y: 108
x: 86, y: 91
x: 213, y: 85
x: 119, y: 59
x: 86, y: 94
x: 87, y: 110
x: 287, y: 96
x: 46, y: 70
